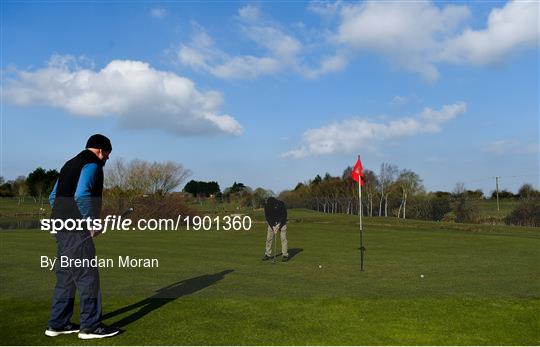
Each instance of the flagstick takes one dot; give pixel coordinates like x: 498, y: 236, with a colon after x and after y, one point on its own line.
x: 360, y: 212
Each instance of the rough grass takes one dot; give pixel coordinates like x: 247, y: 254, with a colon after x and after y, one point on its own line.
x: 489, y: 207
x: 481, y: 285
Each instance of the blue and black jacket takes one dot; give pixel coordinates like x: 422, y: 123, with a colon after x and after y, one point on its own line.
x: 78, y: 190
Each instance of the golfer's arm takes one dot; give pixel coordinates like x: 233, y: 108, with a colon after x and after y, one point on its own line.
x: 271, y: 222
x: 268, y: 217
x: 52, y: 196
x: 83, y: 194
x: 284, y: 218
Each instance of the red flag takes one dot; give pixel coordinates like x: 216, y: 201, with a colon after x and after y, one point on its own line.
x: 357, y: 172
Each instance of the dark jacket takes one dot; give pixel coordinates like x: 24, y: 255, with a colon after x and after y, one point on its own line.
x: 63, y: 197
x: 275, y: 212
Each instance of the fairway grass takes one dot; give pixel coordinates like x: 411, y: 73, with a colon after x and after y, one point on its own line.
x: 480, y: 285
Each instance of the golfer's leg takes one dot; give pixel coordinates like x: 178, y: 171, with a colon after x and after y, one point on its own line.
x: 90, y: 298
x: 284, y: 249
x: 63, y: 299
x: 269, y: 236
x: 64, y: 291
x: 87, y: 281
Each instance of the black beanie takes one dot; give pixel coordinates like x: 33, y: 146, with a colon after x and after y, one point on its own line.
x: 99, y: 141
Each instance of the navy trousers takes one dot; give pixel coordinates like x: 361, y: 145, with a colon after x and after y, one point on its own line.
x: 85, y: 280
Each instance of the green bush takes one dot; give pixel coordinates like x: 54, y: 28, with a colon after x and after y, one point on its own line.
x: 151, y: 206
x: 466, y: 210
x: 526, y: 214
x: 449, y: 217
x: 429, y: 207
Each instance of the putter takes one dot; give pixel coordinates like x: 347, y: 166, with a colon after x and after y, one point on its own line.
x: 274, y: 260
x: 125, y: 213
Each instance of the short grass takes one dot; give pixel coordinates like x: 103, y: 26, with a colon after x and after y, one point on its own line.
x: 481, y: 286
x: 11, y: 207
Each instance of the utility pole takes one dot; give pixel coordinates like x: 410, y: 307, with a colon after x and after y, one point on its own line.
x: 497, y: 191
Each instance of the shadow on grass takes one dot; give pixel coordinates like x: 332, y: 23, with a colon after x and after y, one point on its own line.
x: 294, y: 251
x: 163, y: 296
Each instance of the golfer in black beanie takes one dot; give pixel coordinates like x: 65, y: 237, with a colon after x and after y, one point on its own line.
x: 99, y: 141
x: 77, y: 195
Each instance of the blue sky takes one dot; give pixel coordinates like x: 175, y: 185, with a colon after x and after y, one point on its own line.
x: 271, y: 94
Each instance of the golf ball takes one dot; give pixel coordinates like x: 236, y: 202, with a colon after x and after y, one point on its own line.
x: 320, y: 266
x: 422, y: 276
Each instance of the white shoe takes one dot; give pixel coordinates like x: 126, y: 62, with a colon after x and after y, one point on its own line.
x: 69, y: 328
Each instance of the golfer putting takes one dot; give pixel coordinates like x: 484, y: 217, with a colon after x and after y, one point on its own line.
x: 77, y: 195
x: 275, y: 214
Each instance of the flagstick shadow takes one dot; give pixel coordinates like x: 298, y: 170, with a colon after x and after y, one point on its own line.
x: 163, y: 296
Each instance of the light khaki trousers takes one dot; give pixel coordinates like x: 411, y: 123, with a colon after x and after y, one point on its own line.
x: 269, y: 238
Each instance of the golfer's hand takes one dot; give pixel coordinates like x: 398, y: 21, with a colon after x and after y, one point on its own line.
x: 94, y: 232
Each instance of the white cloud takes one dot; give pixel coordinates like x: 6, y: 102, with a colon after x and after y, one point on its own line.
x: 512, y: 147
x: 400, y: 100
x: 200, y: 53
x: 357, y: 133
x: 206, y: 57
x: 249, y: 13
x: 275, y: 41
x: 246, y: 67
x: 416, y: 36
x: 282, y: 52
x: 140, y: 96
x: 325, y: 8
x: 158, y: 12
x: 333, y: 63
x: 407, y: 33
x: 512, y: 27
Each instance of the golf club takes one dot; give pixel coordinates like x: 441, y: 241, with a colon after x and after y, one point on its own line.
x: 274, y: 231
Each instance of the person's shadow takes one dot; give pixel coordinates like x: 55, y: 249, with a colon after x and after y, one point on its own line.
x: 164, y: 296
x: 294, y: 251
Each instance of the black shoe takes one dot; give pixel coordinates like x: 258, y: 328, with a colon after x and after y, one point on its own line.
x: 98, y: 333
x: 285, y: 258
x: 265, y: 258
x: 69, y: 328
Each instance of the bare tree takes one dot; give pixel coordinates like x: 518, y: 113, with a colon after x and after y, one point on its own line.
x: 466, y: 210
x: 165, y: 177
x: 21, y: 188
x: 259, y: 195
x: 138, y: 177
x: 115, y: 174
x: 386, y: 177
x: 459, y: 189
x: 409, y: 183
x: 141, y: 177
x: 527, y: 191
x: 40, y: 187
x: 370, y: 187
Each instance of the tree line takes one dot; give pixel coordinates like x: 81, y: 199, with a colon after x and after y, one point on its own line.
x: 37, y: 185
x: 396, y: 193
x: 385, y: 193
x: 388, y: 192
x: 238, y: 194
